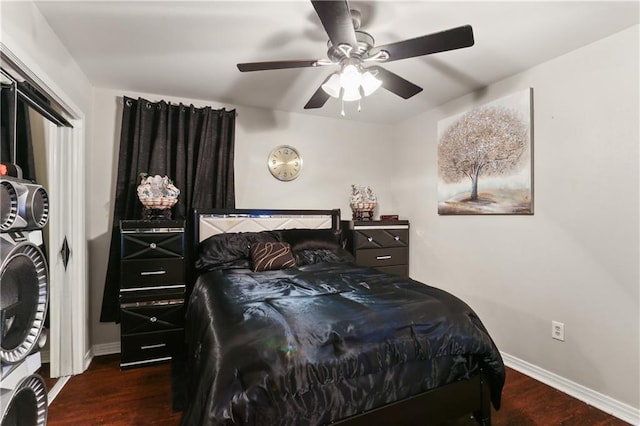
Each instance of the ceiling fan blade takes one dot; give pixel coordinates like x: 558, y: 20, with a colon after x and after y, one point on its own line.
x: 337, y: 22
x: 396, y: 84
x: 319, y: 98
x: 455, y: 38
x: 278, y: 65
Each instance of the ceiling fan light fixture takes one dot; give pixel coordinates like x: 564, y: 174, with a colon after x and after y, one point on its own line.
x: 351, y: 84
x: 370, y: 83
x: 350, y: 77
x: 351, y: 94
x: 332, y: 85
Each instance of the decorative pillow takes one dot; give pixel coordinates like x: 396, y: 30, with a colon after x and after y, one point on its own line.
x: 309, y: 257
x: 268, y: 256
x: 309, y: 239
x: 222, y: 250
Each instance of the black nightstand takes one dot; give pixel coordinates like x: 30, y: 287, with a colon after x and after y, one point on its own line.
x: 152, y: 291
x: 381, y: 244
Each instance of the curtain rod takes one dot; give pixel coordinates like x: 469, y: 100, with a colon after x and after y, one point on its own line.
x: 121, y: 102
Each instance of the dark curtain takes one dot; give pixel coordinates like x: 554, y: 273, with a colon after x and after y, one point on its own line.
x: 192, y: 146
x: 7, y: 114
x: 22, y: 153
x: 24, y: 148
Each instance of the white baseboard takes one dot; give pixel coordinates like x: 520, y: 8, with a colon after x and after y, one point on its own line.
x: 88, y: 357
x: 106, y: 349
x: 57, y: 387
x: 602, y: 402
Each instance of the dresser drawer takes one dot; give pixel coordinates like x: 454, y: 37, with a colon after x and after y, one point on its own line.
x: 381, y: 238
x: 151, y: 272
x: 148, y: 295
x: 383, y: 257
x: 152, y: 245
x: 154, y: 317
x: 148, y: 348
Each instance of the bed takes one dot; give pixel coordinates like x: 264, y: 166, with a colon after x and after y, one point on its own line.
x: 283, y: 328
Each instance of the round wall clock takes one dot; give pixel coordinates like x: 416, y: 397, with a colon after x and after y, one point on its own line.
x: 284, y: 162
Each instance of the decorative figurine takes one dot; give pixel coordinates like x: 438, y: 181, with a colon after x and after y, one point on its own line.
x: 158, y: 195
x: 363, y: 202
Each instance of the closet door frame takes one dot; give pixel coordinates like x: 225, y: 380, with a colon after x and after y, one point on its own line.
x: 69, y: 352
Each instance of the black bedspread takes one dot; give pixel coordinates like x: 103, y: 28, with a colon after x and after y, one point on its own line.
x: 318, y: 343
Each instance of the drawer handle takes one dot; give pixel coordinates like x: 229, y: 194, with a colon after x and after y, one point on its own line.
x: 143, y: 273
x: 153, y: 319
x: 387, y: 257
x: 397, y: 238
x: 159, y: 345
x: 153, y: 245
x: 370, y: 239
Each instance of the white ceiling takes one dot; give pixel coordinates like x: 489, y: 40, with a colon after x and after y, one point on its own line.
x: 190, y: 49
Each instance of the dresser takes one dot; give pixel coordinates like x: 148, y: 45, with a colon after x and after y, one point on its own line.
x: 152, y: 291
x: 381, y: 244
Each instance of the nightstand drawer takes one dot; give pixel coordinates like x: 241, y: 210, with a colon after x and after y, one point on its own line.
x: 383, y: 257
x: 149, y: 295
x: 147, y: 348
x: 155, y: 317
x: 381, y: 238
x: 152, y: 245
x: 151, y: 272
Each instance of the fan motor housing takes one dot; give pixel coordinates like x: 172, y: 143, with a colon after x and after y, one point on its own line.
x: 365, y: 44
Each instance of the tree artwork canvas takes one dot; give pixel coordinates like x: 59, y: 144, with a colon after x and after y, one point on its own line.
x: 485, y: 159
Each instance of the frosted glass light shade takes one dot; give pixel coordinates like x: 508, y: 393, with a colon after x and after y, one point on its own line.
x: 351, y: 84
x: 351, y: 94
x: 369, y: 83
x: 350, y: 78
x: 332, y: 85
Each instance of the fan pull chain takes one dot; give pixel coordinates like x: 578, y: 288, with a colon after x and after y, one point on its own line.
x: 359, y: 107
x: 342, y: 112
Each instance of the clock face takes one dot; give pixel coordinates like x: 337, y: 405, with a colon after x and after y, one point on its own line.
x: 284, y: 163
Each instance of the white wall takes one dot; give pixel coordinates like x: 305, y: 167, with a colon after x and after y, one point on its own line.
x: 29, y: 36
x: 336, y: 153
x: 576, y: 259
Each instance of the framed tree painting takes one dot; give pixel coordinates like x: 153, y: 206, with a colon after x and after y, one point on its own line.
x: 485, y: 159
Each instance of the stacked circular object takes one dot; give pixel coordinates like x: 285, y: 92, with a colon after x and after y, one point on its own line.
x: 24, y: 298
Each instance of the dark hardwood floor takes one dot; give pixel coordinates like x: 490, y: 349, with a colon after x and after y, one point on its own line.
x: 104, y: 395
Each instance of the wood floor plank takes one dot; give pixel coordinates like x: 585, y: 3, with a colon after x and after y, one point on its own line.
x: 104, y: 395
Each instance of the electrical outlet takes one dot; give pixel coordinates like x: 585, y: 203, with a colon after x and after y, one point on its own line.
x: 557, y: 330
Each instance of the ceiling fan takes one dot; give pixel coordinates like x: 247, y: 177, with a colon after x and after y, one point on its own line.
x: 354, y: 51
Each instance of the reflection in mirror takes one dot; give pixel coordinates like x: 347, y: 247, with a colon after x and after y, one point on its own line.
x: 8, y: 96
x: 22, y: 103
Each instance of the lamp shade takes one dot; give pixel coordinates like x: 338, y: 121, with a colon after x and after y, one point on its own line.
x: 350, y: 78
x: 370, y: 83
x: 332, y: 85
x: 351, y: 83
x: 351, y: 94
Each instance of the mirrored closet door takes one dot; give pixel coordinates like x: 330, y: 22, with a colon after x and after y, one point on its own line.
x: 39, y: 136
